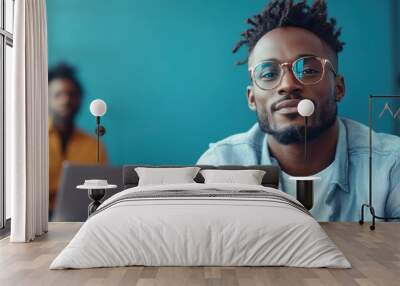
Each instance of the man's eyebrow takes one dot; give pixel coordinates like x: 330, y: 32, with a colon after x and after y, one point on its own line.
x: 305, y: 55
x: 297, y: 57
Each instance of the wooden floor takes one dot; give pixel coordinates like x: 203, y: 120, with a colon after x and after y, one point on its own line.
x: 374, y: 255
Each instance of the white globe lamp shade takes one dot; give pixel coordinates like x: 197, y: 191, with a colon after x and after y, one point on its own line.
x: 305, y: 107
x: 98, y: 107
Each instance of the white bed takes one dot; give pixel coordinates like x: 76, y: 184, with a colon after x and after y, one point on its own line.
x: 249, y: 225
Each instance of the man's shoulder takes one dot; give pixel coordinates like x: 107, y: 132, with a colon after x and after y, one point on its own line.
x: 358, y: 138
x: 251, y: 138
x: 86, y: 141
x: 77, y: 135
x: 240, y: 148
x: 84, y: 136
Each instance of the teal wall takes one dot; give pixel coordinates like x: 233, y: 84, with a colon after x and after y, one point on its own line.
x: 166, y: 70
x: 397, y: 45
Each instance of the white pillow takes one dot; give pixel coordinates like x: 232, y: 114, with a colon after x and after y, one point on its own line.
x: 248, y: 177
x: 161, y: 176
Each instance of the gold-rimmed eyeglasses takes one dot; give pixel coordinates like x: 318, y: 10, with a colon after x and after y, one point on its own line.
x: 307, y: 70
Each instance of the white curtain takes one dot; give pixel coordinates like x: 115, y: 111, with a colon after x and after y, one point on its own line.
x: 26, y: 123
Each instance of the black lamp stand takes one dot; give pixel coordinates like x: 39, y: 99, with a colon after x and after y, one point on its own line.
x: 304, y: 188
x: 305, y: 139
x: 100, y: 131
x: 96, y: 195
x: 305, y: 193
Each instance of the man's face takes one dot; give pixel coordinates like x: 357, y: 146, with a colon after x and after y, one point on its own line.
x: 285, y: 124
x: 64, y: 99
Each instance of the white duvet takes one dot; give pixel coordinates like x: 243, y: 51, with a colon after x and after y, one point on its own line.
x: 185, y: 231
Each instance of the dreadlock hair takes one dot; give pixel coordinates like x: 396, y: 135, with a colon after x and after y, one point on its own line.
x: 286, y: 13
x: 65, y: 71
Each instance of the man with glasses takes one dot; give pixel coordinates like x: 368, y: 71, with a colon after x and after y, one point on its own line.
x: 292, y: 55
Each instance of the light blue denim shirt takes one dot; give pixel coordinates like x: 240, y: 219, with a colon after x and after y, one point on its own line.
x: 349, y: 176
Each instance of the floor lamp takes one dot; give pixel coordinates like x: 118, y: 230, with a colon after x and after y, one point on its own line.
x: 304, y: 185
x: 95, y: 192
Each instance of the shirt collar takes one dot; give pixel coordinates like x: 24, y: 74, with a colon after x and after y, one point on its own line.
x: 53, y: 129
x: 340, y: 168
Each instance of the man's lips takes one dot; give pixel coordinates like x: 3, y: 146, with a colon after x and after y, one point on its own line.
x: 288, y: 106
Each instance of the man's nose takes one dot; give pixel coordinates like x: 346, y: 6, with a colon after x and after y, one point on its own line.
x: 289, y: 84
x: 65, y: 97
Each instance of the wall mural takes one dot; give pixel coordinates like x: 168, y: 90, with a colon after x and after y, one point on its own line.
x: 176, y: 94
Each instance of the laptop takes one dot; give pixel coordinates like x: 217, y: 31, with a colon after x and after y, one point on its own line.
x: 72, y: 203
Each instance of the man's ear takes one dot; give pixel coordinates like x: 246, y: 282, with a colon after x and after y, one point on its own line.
x: 340, y: 88
x: 250, y: 98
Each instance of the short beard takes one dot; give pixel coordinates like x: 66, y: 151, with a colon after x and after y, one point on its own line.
x: 295, y: 134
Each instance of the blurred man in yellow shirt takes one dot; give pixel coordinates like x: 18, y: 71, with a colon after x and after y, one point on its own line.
x: 66, y: 141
